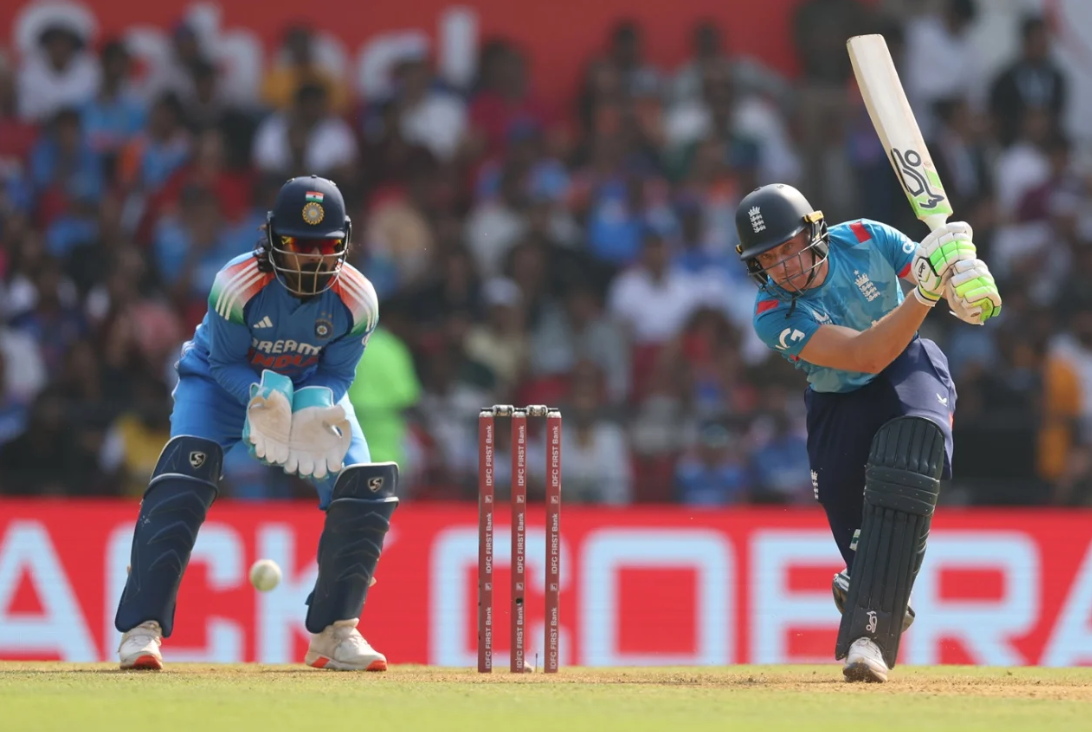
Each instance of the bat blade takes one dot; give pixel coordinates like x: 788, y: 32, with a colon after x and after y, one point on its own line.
x: 898, y: 129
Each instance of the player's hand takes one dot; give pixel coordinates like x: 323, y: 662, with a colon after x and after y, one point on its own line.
x: 269, y: 418
x: 320, y: 435
x: 972, y: 293
x: 936, y: 254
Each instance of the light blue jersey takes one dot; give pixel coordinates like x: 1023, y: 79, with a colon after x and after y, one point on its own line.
x: 866, y: 261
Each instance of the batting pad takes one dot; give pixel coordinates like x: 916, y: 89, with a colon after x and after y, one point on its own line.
x: 182, y: 489
x: 357, y: 521
x: 902, y: 483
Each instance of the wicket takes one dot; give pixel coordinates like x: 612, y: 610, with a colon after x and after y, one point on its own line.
x: 486, y: 489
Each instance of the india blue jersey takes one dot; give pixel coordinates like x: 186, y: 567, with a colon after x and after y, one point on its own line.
x: 866, y: 261
x: 254, y: 323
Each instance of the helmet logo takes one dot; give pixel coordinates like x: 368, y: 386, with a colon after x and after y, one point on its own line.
x: 313, y: 213
x: 756, y: 219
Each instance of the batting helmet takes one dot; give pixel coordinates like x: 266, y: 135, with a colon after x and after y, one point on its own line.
x: 768, y: 217
x: 307, y: 235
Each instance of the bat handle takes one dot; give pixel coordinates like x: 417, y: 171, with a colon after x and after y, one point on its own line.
x: 935, y: 221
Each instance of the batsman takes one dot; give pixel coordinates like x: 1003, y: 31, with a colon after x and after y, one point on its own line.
x: 270, y: 364
x: 880, y: 400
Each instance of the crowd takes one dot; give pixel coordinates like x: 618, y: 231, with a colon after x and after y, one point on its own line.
x: 528, y: 252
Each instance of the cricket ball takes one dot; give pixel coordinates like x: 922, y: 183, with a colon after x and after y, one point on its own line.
x: 265, y: 575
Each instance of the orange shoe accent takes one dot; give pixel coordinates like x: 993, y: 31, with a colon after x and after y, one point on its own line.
x: 377, y: 665
x: 148, y: 663
x: 320, y: 662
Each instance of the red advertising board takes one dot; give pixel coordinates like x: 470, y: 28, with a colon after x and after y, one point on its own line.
x: 640, y: 586
x: 560, y: 37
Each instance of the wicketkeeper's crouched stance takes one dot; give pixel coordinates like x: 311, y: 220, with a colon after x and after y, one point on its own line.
x: 270, y: 364
x: 880, y: 400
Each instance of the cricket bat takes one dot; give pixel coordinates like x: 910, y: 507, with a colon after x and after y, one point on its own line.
x: 898, y: 130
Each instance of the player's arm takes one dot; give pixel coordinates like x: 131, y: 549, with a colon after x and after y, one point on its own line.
x: 868, y: 351
x: 229, y: 344
x: 337, y: 365
x: 872, y: 350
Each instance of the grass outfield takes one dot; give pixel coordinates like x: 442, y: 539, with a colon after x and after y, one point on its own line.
x: 208, y: 698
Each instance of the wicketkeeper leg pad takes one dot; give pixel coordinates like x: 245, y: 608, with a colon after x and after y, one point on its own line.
x: 902, y: 483
x: 183, y: 487
x: 357, y: 521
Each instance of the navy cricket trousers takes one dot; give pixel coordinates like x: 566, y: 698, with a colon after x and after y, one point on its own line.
x: 841, y: 427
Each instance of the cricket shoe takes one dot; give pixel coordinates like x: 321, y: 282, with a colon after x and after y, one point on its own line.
x: 865, y: 663
x: 840, y: 588
x: 341, y: 647
x: 139, y: 648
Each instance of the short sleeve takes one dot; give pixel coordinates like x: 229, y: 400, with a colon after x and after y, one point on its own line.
x: 784, y: 332
x: 897, y: 248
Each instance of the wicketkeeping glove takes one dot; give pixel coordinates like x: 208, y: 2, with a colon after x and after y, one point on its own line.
x: 320, y: 434
x: 268, y: 424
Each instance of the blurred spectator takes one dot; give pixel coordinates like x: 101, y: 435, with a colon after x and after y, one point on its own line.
x: 49, y: 458
x: 962, y: 160
x: 190, y: 248
x: 496, y: 224
x: 427, y: 114
x: 500, y: 343
x: 941, y: 60
x: 24, y: 373
x: 504, y: 98
x: 714, y: 473
x: 385, y: 389
x: 58, y: 74
x: 749, y: 75
x: 1033, y: 81
x: 779, y: 464
x: 116, y: 113
x: 150, y: 159
x: 575, y: 330
x: 296, y: 66
x: 627, y: 53
x: 596, y: 466
x: 136, y: 439
x: 16, y: 134
x: 820, y: 29
x: 306, y: 139
x: 173, y: 74
x: 63, y: 159
x: 653, y: 299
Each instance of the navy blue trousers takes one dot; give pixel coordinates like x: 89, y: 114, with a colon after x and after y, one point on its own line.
x: 841, y: 428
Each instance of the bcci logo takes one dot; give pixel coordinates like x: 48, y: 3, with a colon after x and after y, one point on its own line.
x: 323, y: 329
x: 313, y: 213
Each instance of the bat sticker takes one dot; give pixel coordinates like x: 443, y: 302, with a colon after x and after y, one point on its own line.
x: 915, y: 179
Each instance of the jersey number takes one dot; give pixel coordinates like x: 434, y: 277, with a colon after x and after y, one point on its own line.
x: 792, y: 335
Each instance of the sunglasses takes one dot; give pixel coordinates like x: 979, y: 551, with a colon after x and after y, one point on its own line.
x: 327, y: 247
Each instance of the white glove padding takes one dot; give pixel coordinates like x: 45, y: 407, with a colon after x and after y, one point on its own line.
x: 268, y: 425
x: 972, y: 293
x: 321, y: 434
x: 935, y: 254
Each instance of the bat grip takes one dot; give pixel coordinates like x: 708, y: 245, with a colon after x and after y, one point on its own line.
x: 935, y: 221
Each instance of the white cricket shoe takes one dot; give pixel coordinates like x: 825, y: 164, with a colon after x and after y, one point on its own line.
x: 864, y: 662
x: 139, y: 647
x: 341, y: 648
